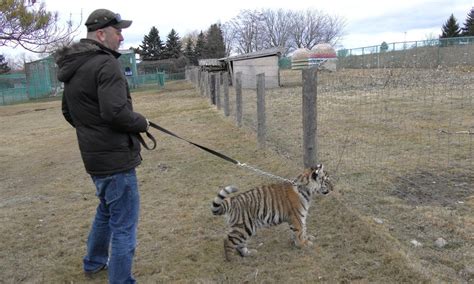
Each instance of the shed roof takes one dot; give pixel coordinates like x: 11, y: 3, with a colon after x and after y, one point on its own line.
x: 210, y: 62
x: 262, y: 53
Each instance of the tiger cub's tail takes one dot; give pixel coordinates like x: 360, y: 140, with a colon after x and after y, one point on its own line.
x: 217, y: 205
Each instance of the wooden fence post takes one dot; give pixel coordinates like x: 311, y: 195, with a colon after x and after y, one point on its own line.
x: 204, y: 83
x: 199, y: 83
x: 218, y: 90
x: 212, y: 89
x: 206, y: 78
x: 199, y: 76
x: 225, y: 82
x: 261, y: 125
x: 238, y: 98
x: 196, y: 78
x: 309, y: 117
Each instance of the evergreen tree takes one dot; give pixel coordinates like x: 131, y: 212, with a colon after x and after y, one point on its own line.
x: 215, y: 46
x: 29, y: 25
x: 200, y: 48
x: 3, y: 65
x: 468, y: 29
x: 383, y: 47
x: 450, y: 28
x: 172, y: 46
x: 152, y: 46
x: 189, y: 51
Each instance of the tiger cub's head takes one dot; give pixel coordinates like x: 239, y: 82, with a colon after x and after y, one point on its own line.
x: 315, y: 180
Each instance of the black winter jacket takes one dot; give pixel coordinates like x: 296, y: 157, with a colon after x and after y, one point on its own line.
x: 97, y: 103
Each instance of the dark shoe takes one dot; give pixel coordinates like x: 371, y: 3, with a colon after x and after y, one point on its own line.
x: 92, y: 273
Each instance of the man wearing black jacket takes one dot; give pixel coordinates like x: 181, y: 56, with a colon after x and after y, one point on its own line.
x: 97, y: 103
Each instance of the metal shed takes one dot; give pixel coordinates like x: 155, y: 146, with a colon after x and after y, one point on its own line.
x: 251, y: 64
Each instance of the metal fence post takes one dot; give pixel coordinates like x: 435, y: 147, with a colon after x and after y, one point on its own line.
x: 309, y: 117
x: 261, y: 125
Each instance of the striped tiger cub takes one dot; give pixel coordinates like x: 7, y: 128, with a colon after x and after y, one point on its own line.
x: 270, y: 205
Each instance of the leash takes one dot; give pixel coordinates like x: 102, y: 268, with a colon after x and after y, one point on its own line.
x: 213, y: 152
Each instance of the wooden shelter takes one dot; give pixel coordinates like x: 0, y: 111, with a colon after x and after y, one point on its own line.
x: 251, y: 64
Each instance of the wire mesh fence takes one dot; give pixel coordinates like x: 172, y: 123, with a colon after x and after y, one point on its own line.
x: 448, y: 52
x: 12, y: 88
x: 377, y: 126
x: 39, y: 79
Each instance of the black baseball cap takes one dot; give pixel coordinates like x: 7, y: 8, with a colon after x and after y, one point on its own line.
x: 102, y: 18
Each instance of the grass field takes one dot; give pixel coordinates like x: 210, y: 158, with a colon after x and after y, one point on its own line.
x: 47, y: 204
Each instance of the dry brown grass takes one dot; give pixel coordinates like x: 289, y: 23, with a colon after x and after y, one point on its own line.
x: 48, y: 202
x: 379, y: 130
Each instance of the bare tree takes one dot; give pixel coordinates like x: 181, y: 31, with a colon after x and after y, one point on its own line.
x: 190, y: 36
x: 256, y: 30
x: 248, y: 31
x: 278, y: 27
x: 333, y: 30
x: 29, y: 25
x: 229, y: 37
x: 311, y: 27
x: 17, y: 62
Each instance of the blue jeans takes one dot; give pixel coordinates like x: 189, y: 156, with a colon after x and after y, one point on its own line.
x: 114, y: 226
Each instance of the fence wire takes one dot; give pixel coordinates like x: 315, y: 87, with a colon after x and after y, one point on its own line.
x: 389, y: 126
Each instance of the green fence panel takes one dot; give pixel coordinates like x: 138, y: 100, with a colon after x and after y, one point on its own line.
x: 41, y: 78
x: 161, y: 79
x: 154, y: 78
x: 284, y: 63
x: 13, y: 96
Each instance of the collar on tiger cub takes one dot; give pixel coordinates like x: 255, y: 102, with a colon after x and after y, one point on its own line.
x: 312, y: 173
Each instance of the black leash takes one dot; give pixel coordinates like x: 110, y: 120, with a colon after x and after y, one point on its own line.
x: 156, y: 126
x: 215, y: 153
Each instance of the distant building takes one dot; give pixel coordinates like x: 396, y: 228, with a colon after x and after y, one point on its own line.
x: 322, y: 56
x: 128, y: 62
x: 251, y: 64
x: 212, y: 65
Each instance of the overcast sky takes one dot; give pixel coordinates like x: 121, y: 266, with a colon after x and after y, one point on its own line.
x: 367, y: 22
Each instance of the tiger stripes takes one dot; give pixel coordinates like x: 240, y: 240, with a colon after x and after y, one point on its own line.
x: 269, y: 205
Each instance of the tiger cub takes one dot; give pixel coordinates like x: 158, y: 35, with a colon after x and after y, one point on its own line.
x: 270, y: 205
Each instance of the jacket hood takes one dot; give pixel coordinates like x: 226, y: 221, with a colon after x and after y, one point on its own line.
x: 70, y: 58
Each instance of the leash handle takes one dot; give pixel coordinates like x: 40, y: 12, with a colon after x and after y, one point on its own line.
x: 142, y: 141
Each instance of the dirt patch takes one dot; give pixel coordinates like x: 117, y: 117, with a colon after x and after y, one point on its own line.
x: 425, y: 188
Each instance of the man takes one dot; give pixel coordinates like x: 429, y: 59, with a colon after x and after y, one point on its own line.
x: 97, y: 103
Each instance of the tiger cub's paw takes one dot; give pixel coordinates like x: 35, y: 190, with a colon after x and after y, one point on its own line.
x: 251, y: 252
x: 311, y: 238
x: 247, y: 252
